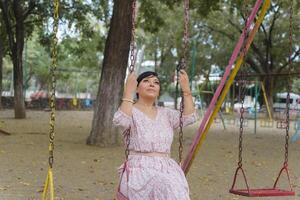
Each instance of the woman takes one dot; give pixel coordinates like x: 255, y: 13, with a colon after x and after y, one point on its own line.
x: 150, y: 173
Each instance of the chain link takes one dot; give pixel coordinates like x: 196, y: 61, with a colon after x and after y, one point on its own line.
x: 183, y: 65
x: 291, y: 31
x: 126, y: 133
x: 132, y: 42
x: 242, y: 85
x: 181, y: 108
x: 53, y: 83
x: 185, y: 33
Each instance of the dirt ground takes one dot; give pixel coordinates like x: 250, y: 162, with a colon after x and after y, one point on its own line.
x: 86, y: 172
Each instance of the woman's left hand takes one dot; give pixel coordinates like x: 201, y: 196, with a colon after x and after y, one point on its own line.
x: 184, y: 81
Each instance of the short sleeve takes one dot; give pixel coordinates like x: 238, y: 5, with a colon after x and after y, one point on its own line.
x: 121, y: 119
x: 174, y: 116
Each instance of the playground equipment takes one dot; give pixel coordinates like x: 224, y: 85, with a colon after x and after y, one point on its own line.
x: 267, y: 123
x: 210, y: 91
x: 226, y: 81
x: 49, y: 179
x: 273, y: 191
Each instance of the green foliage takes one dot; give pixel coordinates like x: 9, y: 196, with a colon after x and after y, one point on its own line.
x: 152, y: 14
x: 36, y: 62
x: 215, y: 35
x: 81, y: 39
x: 296, y: 86
x: 7, y: 74
x: 214, y: 30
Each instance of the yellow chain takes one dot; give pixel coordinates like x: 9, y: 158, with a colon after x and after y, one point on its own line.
x: 49, y: 178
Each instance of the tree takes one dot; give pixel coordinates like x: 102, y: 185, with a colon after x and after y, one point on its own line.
x: 15, y: 14
x: 1, y: 58
x: 1, y: 70
x: 112, y: 75
x: 268, y: 52
x: 20, y: 20
x: 3, y: 53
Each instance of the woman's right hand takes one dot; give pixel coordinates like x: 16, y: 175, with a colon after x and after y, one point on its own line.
x: 130, y: 85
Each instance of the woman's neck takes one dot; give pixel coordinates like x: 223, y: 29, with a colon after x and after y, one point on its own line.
x: 145, y: 102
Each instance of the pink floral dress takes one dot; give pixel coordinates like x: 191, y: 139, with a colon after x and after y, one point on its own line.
x: 153, y: 177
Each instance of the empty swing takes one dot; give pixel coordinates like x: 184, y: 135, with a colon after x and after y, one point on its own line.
x: 273, y: 191
x: 264, y: 192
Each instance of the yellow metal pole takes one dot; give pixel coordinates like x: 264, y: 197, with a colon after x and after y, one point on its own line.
x: 266, y: 101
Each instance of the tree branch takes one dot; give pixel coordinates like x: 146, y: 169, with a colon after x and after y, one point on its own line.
x: 231, y: 37
x: 297, y: 53
x: 258, y: 53
x: 32, y: 22
x: 254, y: 65
x: 235, y: 26
x: 5, y: 14
x: 31, y: 7
x: 269, y: 41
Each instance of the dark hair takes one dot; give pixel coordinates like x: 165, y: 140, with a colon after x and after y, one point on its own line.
x: 145, y: 75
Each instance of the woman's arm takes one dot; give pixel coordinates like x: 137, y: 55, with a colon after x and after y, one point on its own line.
x: 129, y: 90
x: 188, y: 103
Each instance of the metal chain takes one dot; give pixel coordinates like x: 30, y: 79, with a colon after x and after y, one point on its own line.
x: 183, y: 65
x: 53, y: 83
x: 181, y: 131
x: 185, y: 33
x: 181, y: 108
x: 132, y: 42
x: 126, y: 133
x: 242, y: 85
x: 291, y: 31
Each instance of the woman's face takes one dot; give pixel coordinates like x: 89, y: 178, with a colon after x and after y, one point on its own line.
x: 149, y: 87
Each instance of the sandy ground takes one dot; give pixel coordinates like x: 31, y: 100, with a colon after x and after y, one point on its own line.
x: 86, y: 172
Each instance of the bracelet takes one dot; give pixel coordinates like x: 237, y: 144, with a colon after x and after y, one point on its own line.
x: 128, y: 100
x: 186, y: 93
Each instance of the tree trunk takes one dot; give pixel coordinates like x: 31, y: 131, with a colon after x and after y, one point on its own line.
x: 1, y: 71
x: 15, y: 31
x: 17, y: 53
x: 113, y: 72
x: 18, y: 86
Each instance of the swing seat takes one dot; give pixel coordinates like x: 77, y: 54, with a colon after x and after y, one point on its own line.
x: 269, y: 192
x: 263, y: 192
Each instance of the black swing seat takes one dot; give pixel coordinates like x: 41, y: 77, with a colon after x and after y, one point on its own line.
x: 269, y: 192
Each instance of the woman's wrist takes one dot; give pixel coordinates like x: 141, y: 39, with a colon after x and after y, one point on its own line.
x: 187, y: 93
x: 128, y: 97
x: 128, y: 100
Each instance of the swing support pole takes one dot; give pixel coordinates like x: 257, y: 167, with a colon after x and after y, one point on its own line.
x: 266, y: 100
x: 215, y: 103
